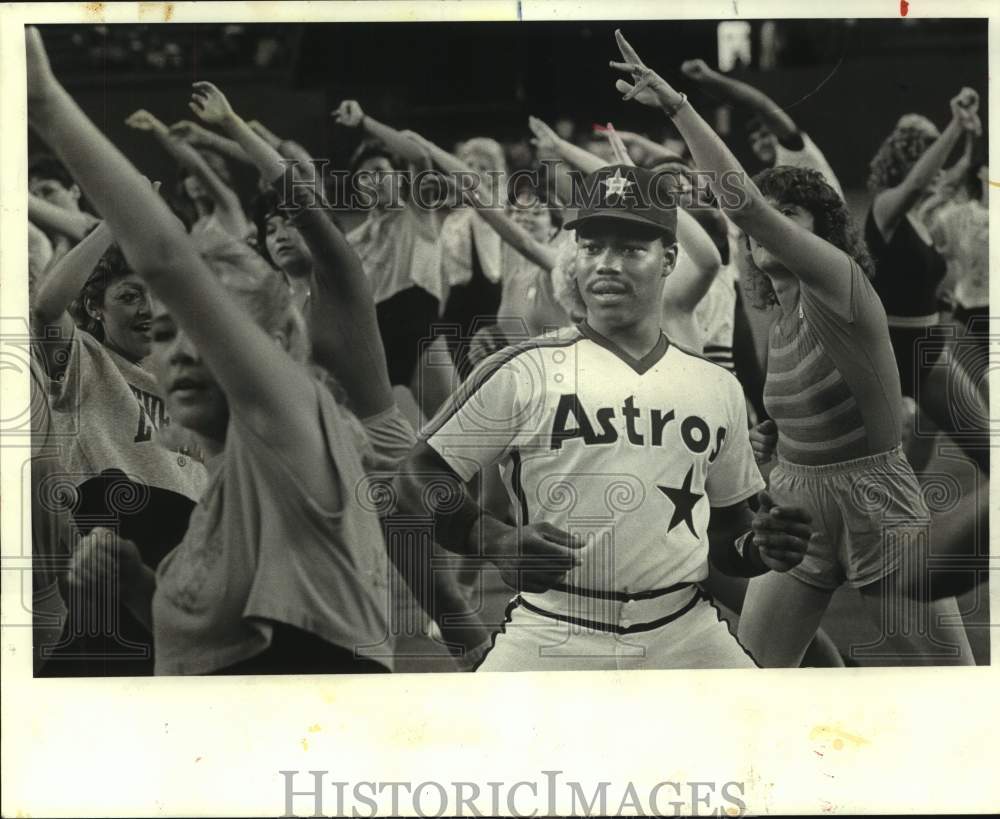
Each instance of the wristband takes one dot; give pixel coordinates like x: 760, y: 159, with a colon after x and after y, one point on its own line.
x: 740, y: 544
x: 749, y: 556
x: 672, y: 110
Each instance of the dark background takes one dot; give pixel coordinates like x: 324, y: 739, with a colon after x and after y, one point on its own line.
x: 845, y: 82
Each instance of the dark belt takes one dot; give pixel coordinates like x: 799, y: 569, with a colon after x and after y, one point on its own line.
x: 622, y: 597
x: 638, y: 627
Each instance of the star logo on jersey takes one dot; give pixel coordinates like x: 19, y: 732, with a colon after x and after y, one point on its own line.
x: 684, y: 501
x: 615, y: 185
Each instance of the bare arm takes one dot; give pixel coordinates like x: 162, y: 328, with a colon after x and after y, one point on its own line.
x: 545, y: 141
x: 286, y: 147
x: 274, y: 395
x: 953, y: 176
x: 55, y: 219
x: 652, y: 150
x: 742, y: 94
x: 349, y: 113
x: 890, y: 206
x: 211, y: 105
x: 511, y: 232
x: 688, y: 284
x: 579, y: 158
x: 193, y: 133
x: 292, y: 150
x: 226, y: 202
x: 60, y: 286
x: 342, y: 324
x: 68, y: 276
x: 813, y: 260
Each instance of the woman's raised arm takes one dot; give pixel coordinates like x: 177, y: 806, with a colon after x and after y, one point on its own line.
x: 891, y: 205
x: 226, y: 202
x: 813, y: 260
x: 55, y: 219
x: 273, y: 393
x: 61, y: 285
x: 349, y: 113
x: 193, y: 133
x: 342, y: 323
x: 508, y: 230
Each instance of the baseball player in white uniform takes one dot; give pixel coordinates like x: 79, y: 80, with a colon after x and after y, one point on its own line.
x: 627, y: 463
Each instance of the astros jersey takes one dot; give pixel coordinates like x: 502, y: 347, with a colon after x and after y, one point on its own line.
x: 629, y: 454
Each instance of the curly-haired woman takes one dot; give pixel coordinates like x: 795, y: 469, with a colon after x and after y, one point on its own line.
x: 93, y: 314
x: 281, y: 570
x: 910, y: 270
x: 833, y: 390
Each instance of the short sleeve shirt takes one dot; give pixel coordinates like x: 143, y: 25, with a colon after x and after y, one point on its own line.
x: 631, y: 454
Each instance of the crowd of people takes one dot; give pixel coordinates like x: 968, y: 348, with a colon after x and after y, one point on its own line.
x: 264, y: 436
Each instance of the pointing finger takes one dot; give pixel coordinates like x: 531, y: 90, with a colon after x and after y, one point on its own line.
x: 627, y: 51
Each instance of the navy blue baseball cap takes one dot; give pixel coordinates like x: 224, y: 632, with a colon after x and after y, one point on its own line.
x: 629, y: 194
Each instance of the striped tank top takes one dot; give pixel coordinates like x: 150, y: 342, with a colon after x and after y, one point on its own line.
x: 832, y: 386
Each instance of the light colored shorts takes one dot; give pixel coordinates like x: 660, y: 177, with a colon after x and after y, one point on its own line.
x: 869, y: 511
x: 680, y: 629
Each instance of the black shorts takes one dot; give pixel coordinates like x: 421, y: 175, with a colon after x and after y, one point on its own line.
x: 294, y: 651
x: 403, y: 322
x: 915, y: 361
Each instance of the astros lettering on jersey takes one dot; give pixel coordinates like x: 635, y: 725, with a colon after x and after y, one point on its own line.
x: 629, y: 454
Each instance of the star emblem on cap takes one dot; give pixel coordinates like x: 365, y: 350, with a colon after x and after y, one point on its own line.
x: 616, y: 185
x: 684, y: 501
